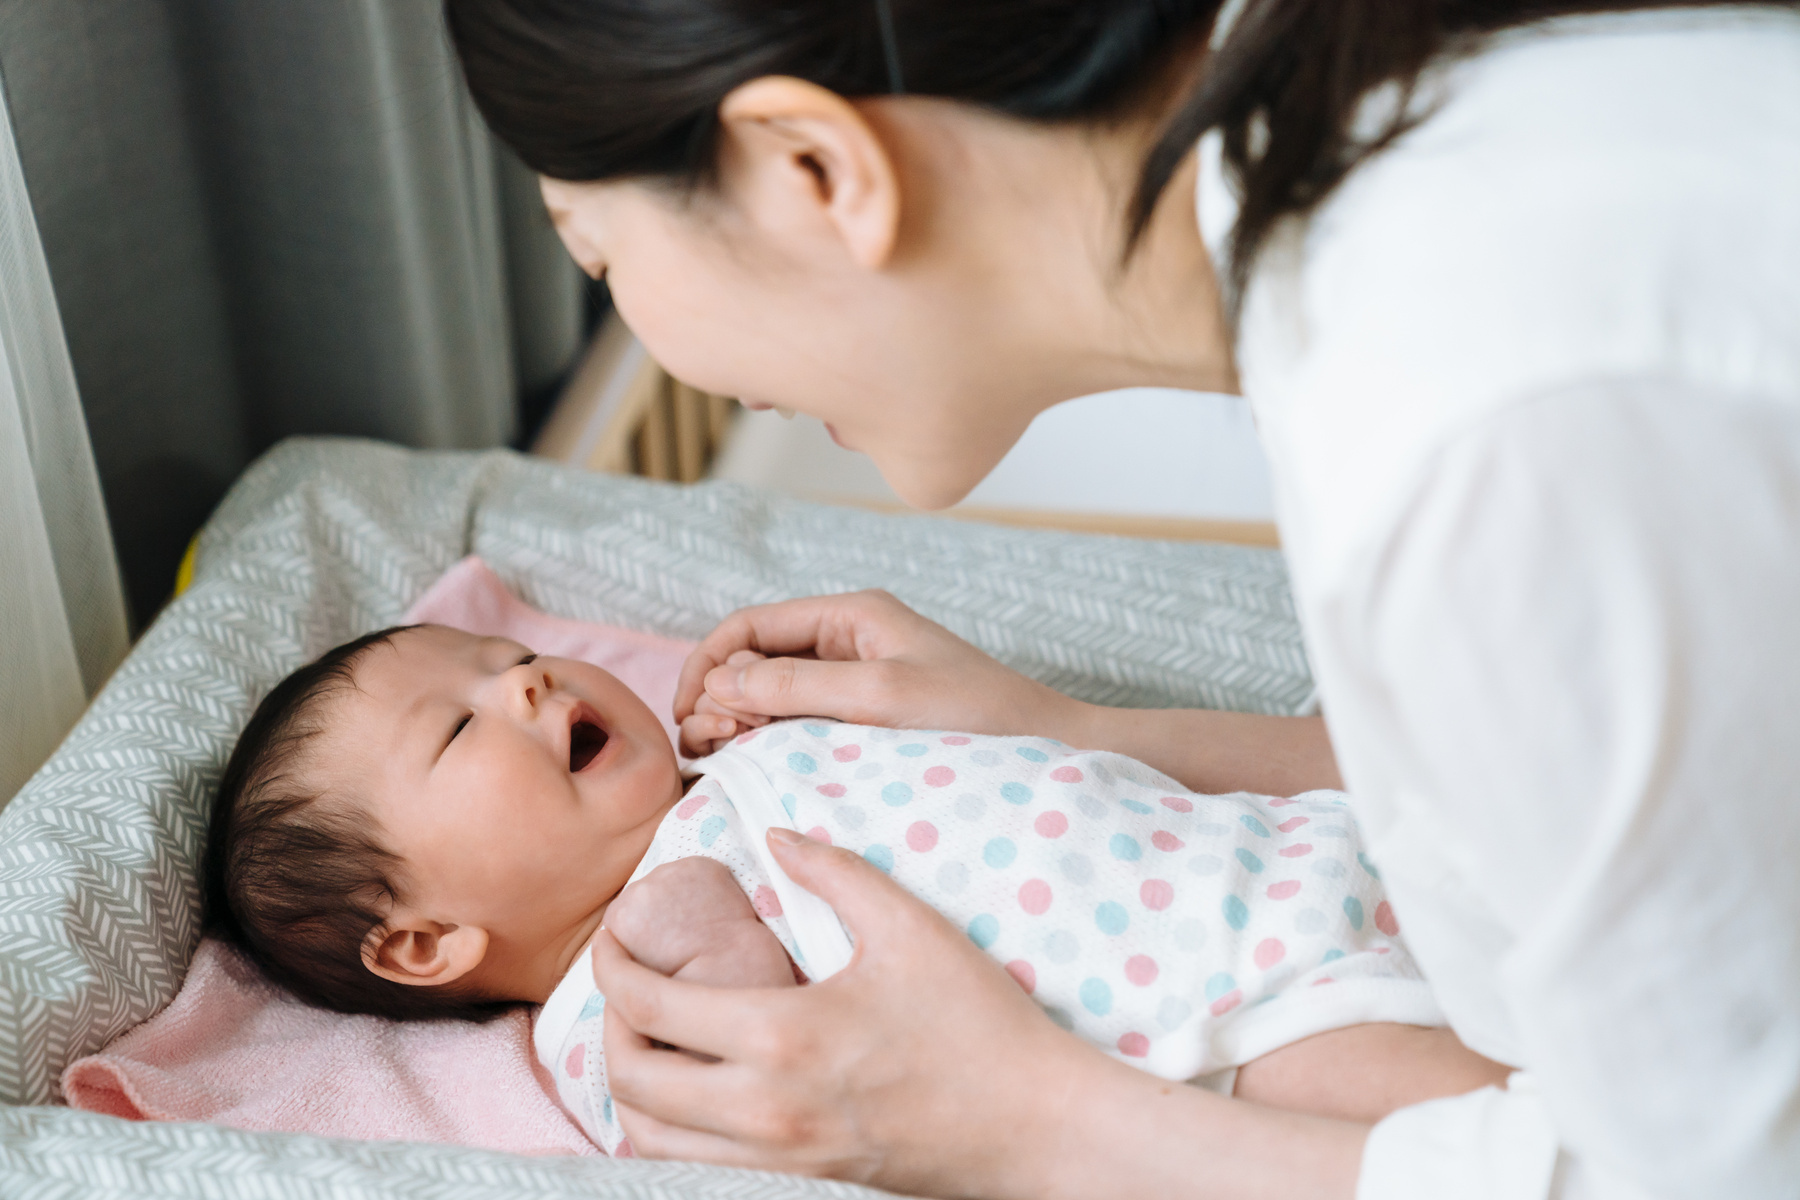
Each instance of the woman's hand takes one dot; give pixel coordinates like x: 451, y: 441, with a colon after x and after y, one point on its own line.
x: 862, y: 657
x: 922, y: 1067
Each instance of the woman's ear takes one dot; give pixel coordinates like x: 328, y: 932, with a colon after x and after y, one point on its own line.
x: 795, y: 148
x: 423, y: 953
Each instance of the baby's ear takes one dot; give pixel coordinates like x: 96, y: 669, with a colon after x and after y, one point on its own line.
x: 423, y: 953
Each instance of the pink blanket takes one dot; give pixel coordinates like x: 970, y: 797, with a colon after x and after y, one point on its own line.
x: 235, y: 1050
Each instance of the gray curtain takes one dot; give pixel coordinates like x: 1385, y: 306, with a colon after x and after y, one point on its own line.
x: 273, y: 217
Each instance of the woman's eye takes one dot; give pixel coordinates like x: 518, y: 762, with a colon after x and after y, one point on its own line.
x: 459, y: 727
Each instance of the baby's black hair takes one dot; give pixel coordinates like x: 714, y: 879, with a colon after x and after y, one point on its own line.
x: 294, y: 875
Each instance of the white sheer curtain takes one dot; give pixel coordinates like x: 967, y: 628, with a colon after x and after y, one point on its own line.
x: 62, y: 618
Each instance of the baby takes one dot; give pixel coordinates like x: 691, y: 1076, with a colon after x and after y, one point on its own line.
x: 426, y: 823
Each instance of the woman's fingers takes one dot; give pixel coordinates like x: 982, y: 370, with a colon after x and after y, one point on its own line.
x: 862, y: 692
x: 865, y: 899
x: 654, y: 1006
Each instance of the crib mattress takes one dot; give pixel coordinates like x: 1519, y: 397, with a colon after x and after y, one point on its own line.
x: 324, y: 539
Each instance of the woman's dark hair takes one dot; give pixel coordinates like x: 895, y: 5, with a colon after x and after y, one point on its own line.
x: 293, y: 875
x: 607, y: 89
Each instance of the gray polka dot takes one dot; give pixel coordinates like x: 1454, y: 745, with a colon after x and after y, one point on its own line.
x: 1210, y: 829
x: 1330, y: 868
x: 1332, y: 831
x: 985, y: 758
x: 1190, y: 935
x: 883, y: 735
x: 1061, y: 947
x: 1172, y: 1012
x: 1078, y: 868
x: 1102, y: 774
x: 1206, y: 864
x: 953, y: 877
x: 1090, y: 807
x: 1309, y: 920
x: 868, y: 770
x: 1063, y: 1019
x: 849, y: 816
x: 775, y: 737
x: 969, y: 806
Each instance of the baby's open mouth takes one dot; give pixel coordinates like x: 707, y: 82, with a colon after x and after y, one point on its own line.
x: 586, y: 740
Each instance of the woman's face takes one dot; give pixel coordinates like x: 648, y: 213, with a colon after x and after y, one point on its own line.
x: 993, y: 298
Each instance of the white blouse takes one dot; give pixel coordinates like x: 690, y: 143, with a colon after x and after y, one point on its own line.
x: 1530, y: 388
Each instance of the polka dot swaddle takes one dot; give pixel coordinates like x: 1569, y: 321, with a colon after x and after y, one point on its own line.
x: 1185, y: 934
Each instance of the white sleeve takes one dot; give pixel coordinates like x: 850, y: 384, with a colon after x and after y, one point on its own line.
x: 1568, y: 680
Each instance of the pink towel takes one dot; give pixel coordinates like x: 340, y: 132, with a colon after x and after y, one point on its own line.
x: 235, y: 1050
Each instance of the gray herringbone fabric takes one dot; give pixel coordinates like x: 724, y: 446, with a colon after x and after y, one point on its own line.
x: 323, y: 540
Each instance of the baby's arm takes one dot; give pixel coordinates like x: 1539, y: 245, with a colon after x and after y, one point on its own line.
x: 1365, y: 1072
x: 689, y: 919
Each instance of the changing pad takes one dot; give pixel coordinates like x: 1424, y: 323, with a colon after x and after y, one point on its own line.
x: 324, y: 539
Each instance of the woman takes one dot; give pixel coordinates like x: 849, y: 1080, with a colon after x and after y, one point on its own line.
x: 1518, y: 308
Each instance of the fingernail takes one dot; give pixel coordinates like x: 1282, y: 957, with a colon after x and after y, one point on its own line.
x: 788, y: 837
x: 725, y: 684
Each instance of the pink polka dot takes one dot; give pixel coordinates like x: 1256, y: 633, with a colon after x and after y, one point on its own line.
x: 1384, y: 919
x: 819, y: 833
x: 940, y: 776
x: 1226, y: 1003
x: 1282, y: 802
x: 834, y: 790
x: 1051, y: 824
x: 1321, y: 980
x: 1134, y: 1045
x: 1291, y: 824
x: 955, y: 739
x: 765, y: 901
x: 624, y: 1149
x: 576, y: 1063
x: 1157, y: 894
x: 1162, y: 839
x: 1066, y: 775
x: 694, y: 803
x: 1297, y: 850
x: 921, y: 836
x: 1024, y: 974
x: 1287, y: 889
x: 1141, y: 969
x: 847, y: 753
x: 1034, y: 896
x: 1269, y: 951
x: 1178, y: 803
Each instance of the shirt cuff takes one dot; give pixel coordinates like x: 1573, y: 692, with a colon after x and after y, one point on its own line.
x: 1491, y: 1144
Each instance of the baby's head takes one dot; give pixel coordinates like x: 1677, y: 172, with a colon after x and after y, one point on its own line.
x: 427, y: 823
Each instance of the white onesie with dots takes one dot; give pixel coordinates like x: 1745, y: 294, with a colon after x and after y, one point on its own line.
x: 1184, y: 934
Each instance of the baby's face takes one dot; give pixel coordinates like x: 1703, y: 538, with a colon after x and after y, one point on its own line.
x: 519, y: 792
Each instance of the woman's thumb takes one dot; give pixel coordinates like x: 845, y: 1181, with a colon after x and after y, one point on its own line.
x: 794, y: 687
x: 863, y: 896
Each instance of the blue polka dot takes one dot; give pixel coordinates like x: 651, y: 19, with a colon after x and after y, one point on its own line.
x: 1125, y: 848
x: 910, y: 750
x: 881, y: 856
x: 1031, y: 755
x: 1112, y: 918
x: 710, y: 829
x: 802, y: 763
x: 1363, y: 860
x: 1218, y: 985
x: 1353, y: 910
x: 1251, y: 863
x: 1096, y: 997
x: 1332, y: 956
x: 594, y: 1004
x: 606, y: 1109
x: 896, y: 793
x: 1254, y: 826
x: 983, y: 930
x: 788, y: 803
x: 1237, y: 915
x: 816, y: 729
x: 1135, y: 807
x: 1015, y: 793
x: 999, y: 853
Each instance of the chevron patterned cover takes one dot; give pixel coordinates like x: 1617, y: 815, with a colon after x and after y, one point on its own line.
x: 323, y: 539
